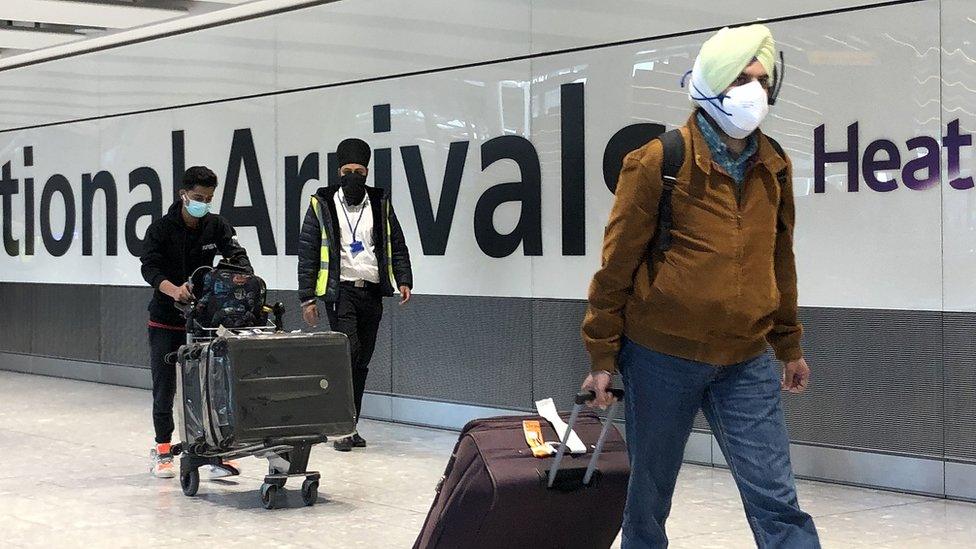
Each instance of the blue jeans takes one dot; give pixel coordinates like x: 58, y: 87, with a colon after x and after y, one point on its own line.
x: 742, y: 404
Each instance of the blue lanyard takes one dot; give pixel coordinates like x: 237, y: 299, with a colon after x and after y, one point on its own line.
x: 346, y: 213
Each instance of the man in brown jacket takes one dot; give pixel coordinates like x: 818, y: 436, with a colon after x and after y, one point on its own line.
x: 688, y: 325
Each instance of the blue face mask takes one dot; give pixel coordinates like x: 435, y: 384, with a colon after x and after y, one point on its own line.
x: 197, y: 209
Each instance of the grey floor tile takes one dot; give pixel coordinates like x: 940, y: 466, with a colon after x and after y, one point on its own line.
x: 73, y: 458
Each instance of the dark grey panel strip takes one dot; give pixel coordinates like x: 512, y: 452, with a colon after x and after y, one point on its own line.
x: 960, y: 385
x: 16, y: 322
x: 111, y: 374
x: 475, y: 350
x: 884, y: 380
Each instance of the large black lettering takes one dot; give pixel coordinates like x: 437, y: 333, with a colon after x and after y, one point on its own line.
x: 627, y: 139
x: 295, y: 179
x: 59, y: 184
x: 242, y: 153
x: 528, y: 192
x: 383, y: 169
x: 28, y: 203
x: 179, y: 161
x: 821, y: 158
x: 434, y: 230
x: 9, y: 187
x: 153, y: 208
x: 102, y: 181
x: 573, y: 151
x: 332, y: 169
x: 382, y: 158
x: 29, y: 216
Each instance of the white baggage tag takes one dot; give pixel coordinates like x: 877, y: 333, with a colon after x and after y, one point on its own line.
x: 547, y: 409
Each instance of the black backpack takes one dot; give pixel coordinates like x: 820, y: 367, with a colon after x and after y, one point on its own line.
x: 674, y: 157
x: 228, y: 296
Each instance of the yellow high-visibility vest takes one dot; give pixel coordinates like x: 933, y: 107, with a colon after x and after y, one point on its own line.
x: 322, y: 282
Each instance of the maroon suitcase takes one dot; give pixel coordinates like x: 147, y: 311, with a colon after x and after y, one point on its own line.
x: 495, y: 493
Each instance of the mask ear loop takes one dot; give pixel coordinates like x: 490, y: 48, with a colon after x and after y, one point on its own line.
x: 777, y: 79
x: 719, y: 98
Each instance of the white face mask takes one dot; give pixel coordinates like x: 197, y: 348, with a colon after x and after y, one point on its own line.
x: 738, y: 112
x: 745, y: 107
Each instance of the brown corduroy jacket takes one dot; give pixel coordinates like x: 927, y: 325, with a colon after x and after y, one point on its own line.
x: 726, y: 286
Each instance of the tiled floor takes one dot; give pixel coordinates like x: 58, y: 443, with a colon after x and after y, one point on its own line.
x: 73, y: 474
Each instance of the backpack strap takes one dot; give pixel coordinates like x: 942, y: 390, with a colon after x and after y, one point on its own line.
x: 780, y: 175
x: 674, y: 157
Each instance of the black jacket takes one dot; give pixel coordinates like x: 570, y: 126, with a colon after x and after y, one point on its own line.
x: 172, y: 251
x: 310, y: 241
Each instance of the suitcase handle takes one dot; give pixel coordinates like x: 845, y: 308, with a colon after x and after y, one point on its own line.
x: 580, y: 401
x: 588, y: 396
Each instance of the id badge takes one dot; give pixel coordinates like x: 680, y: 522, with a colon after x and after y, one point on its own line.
x: 356, y: 247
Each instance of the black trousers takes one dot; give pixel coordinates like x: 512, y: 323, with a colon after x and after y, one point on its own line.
x: 161, y: 343
x: 357, y: 314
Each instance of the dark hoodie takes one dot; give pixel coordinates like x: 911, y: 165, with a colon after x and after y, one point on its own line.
x: 173, y: 250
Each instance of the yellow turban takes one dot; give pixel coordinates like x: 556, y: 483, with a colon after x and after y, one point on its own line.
x: 724, y: 56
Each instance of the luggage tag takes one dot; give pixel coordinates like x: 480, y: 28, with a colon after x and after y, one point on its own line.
x: 356, y: 247
x: 547, y: 409
x: 533, y: 436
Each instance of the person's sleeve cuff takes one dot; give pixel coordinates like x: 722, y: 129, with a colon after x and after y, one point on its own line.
x: 789, y: 353
x: 605, y: 363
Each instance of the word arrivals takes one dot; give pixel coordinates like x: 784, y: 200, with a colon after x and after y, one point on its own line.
x: 434, y: 225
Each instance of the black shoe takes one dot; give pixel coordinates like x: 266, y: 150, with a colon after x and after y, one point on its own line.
x: 358, y: 441
x: 343, y: 444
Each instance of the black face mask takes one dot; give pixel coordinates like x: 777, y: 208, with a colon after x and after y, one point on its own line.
x: 353, y: 187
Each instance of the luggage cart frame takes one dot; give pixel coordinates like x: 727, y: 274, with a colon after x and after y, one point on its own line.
x: 293, y: 450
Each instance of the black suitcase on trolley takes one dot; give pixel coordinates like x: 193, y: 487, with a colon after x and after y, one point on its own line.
x: 263, y: 393
x: 244, y: 389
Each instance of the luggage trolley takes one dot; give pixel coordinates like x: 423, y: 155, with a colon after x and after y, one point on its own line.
x: 204, y: 450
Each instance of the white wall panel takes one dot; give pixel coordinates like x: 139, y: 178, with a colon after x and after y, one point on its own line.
x: 217, y: 63
x: 69, y: 151
x: 49, y: 92
x: 132, y: 153
x: 210, y: 132
x: 958, y: 60
x: 562, y: 24
x: 428, y: 113
x: 855, y: 249
x: 351, y: 40
x: 866, y: 248
x: 623, y: 85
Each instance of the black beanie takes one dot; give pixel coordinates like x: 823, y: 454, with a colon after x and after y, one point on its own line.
x: 353, y: 151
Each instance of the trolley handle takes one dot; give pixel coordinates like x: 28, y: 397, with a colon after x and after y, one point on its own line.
x: 580, y: 401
